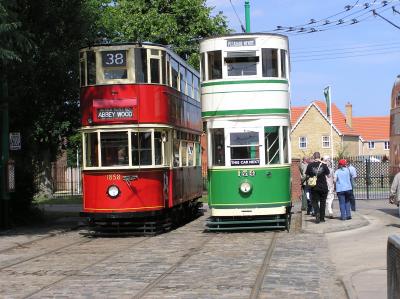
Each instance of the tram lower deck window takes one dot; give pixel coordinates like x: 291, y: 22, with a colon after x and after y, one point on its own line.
x: 114, y: 148
x: 141, y: 148
x: 218, y: 147
x: 245, y: 148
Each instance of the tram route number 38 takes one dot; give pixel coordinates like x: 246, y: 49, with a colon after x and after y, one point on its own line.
x: 245, y: 173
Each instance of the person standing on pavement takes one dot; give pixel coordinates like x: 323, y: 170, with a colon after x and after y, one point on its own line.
x: 320, y: 190
x: 305, y: 191
x: 343, y: 189
x: 353, y: 175
x: 331, y: 187
x: 394, y: 197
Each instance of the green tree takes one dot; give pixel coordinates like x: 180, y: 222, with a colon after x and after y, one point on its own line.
x: 179, y: 23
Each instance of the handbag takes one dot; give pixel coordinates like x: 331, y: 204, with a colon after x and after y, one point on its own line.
x: 312, y: 181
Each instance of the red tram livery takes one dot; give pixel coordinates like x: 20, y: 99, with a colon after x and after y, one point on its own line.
x: 141, y: 126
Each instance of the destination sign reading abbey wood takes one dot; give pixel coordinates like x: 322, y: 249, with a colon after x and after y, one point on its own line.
x: 241, y: 42
x: 115, y: 113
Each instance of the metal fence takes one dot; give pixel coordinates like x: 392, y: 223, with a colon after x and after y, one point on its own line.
x: 373, y: 180
x: 64, y: 182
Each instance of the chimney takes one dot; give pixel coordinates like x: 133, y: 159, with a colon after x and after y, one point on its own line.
x: 349, y: 114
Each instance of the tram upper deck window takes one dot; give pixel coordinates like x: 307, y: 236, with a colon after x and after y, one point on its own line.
x: 82, y: 68
x: 182, y: 72
x: 189, y: 89
x: 196, y: 83
x: 245, y: 148
x: 141, y: 148
x: 155, y: 66
x: 271, y: 136
x: 114, y: 64
x: 202, y: 66
x: 91, y: 143
x: 242, y: 63
x: 174, y: 73
x: 140, y: 65
x: 114, y: 148
x: 91, y: 67
x: 270, y: 62
x: 214, y: 65
x: 218, y: 147
x: 283, y: 63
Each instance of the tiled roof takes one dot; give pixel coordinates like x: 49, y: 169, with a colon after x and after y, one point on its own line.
x: 372, y: 127
x: 339, y: 120
x: 295, y: 113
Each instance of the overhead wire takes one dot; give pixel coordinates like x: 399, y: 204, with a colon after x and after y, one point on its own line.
x: 348, y: 19
x: 237, y: 16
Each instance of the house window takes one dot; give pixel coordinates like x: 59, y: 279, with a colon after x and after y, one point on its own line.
x: 326, y: 141
x: 386, y: 145
x: 302, y: 142
x: 371, y: 144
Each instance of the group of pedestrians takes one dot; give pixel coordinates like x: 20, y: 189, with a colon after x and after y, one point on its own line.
x: 319, y: 183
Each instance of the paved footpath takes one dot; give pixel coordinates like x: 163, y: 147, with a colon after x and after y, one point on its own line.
x: 320, y: 261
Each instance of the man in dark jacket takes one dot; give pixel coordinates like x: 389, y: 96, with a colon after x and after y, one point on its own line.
x: 319, y: 192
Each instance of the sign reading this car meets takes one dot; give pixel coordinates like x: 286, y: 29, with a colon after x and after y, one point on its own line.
x: 115, y: 113
x: 240, y: 42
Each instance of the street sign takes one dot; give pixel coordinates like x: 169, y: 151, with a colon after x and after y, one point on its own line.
x: 15, y: 141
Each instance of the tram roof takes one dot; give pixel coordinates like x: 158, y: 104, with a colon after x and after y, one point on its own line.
x: 245, y: 34
x: 113, y: 44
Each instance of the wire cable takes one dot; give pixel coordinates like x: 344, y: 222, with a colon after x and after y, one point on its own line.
x: 237, y: 16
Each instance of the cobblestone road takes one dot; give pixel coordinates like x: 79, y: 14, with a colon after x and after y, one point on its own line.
x: 185, y: 263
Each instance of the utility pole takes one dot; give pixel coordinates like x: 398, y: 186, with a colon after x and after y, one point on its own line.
x: 247, y: 15
x: 4, y: 153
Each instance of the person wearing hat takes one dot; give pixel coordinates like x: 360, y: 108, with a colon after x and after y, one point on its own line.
x: 331, y: 186
x: 342, y: 181
x: 319, y: 191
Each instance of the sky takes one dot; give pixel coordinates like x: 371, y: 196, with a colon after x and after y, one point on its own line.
x: 360, y: 62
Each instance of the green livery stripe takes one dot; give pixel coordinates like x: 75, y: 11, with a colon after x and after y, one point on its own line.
x: 274, y: 81
x: 247, y: 206
x: 238, y: 91
x: 246, y: 111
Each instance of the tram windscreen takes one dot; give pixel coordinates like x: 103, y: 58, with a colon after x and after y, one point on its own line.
x: 242, y: 63
x: 114, y: 148
x: 245, y: 148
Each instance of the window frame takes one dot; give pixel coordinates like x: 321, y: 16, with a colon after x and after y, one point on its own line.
x: 371, y: 144
x: 165, y: 162
x: 323, y: 142
x: 386, y: 145
x: 304, y: 141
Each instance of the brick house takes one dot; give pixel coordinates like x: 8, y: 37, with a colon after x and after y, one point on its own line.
x: 311, y: 132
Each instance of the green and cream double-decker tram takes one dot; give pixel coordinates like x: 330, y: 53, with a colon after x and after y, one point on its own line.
x: 246, y: 108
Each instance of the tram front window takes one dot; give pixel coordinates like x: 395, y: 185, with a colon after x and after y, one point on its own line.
x: 91, y: 67
x: 114, y: 148
x: 271, y: 135
x: 218, y: 147
x: 242, y: 63
x: 141, y: 65
x: 245, y: 148
x: 141, y: 148
x: 114, y: 64
x: 91, y: 143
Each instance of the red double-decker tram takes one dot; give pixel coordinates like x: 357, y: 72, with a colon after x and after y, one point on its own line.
x: 141, y: 126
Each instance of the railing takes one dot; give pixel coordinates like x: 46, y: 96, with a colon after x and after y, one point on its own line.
x: 393, y: 267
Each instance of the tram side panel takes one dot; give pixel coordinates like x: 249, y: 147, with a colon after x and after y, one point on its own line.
x: 270, y: 188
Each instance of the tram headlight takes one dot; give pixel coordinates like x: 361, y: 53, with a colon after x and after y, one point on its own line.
x: 245, y: 187
x: 113, y: 191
